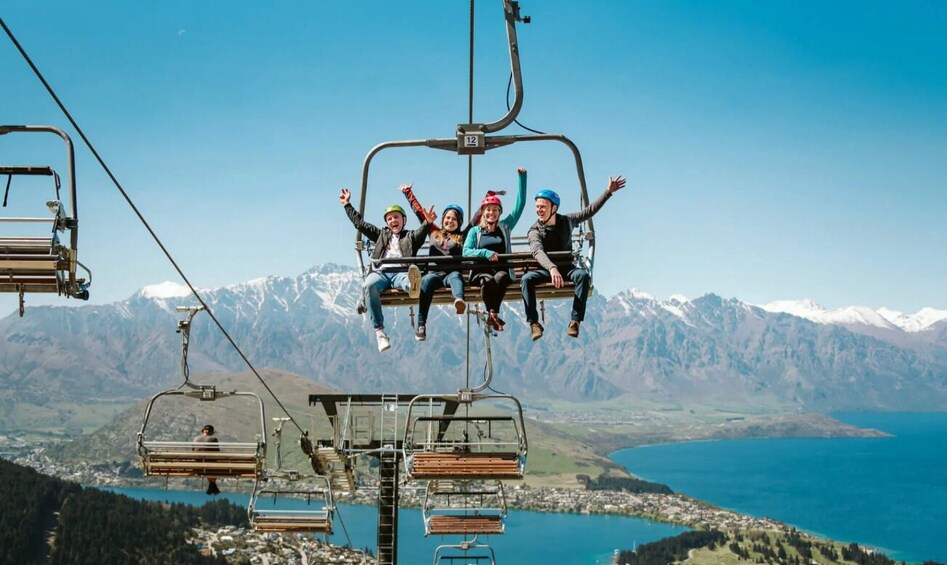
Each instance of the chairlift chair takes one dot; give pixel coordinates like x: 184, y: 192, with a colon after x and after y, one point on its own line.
x: 189, y: 458
x: 464, y: 446
x: 237, y: 459
x: 475, y: 139
x: 290, y: 502
x: 468, y: 552
x: 43, y: 264
x: 464, y: 507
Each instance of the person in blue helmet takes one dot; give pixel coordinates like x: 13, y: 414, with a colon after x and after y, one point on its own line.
x: 553, y: 232
x: 390, y: 241
x: 446, y: 240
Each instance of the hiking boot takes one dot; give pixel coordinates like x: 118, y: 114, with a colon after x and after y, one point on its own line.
x: 384, y: 344
x: 535, y: 331
x: 573, y: 329
x: 460, y: 306
x: 495, y: 321
x: 420, y: 333
x: 492, y: 321
x: 414, y: 281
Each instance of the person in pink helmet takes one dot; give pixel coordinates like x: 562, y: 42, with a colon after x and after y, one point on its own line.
x: 487, y: 240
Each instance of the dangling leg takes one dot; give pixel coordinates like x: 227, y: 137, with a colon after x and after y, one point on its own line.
x: 528, y: 284
x: 456, y: 284
x: 430, y: 283
x: 582, y: 279
x: 374, y: 284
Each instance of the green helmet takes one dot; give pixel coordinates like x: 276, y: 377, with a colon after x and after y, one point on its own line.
x: 394, y: 208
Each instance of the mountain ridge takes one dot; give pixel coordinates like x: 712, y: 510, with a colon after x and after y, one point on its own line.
x: 709, y: 350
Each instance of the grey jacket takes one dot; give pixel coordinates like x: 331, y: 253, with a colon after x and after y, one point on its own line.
x: 540, y: 235
x: 410, y: 242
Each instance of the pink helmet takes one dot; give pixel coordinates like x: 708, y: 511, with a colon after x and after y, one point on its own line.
x: 491, y: 198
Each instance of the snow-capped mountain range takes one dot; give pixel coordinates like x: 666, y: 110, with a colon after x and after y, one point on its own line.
x: 708, y: 350
x: 924, y: 319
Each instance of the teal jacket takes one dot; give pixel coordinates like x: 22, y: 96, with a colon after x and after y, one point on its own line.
x: 506, y: 225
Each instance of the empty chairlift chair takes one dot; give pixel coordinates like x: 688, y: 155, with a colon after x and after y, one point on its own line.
x: 464, y: 507
x: 44, y: 260
x: 455, y: 446
x: 468, y: 552
x: 289, y: 502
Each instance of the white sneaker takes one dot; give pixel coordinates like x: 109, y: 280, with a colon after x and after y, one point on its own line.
x: 460, y: 306
x: 384, y: 344
x: 414, y: 281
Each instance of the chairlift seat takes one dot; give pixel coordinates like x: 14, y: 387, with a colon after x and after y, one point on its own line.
x: 519, y: 262
x: 460, y: 465
x: 317, y: 522
x: 190, y: 459
x: 464, y: 524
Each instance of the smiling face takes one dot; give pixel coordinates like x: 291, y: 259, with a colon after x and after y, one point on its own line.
x: 451, y: 221
x: 394, y: 221
x: 491, y: 214
x: 544, y: 209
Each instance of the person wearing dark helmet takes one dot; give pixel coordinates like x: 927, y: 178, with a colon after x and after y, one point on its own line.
x: 390, y: 241
x: 207, y: 436
x: 489, y: 238
x: 446, y: 240
x: 553, y: 232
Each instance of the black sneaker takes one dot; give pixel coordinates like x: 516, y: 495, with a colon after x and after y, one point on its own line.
x: 420, y: 333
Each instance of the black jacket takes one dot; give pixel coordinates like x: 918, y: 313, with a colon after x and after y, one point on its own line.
x: 540, y: 235
x: 411, y: 241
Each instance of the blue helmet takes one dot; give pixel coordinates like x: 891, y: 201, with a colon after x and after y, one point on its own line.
x: 456, y: 208
x: 549, y: 195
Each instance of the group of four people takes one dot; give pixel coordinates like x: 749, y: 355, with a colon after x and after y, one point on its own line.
x: 486, y: 236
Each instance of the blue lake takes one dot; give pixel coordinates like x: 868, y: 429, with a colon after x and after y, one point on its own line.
x: 530, y: 538
x: 888, y: 493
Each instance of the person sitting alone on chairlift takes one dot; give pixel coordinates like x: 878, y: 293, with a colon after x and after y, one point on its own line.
x: 446, y: 241
x: 390, y: 241
x: 207, y: 436
x: 490, y: 237
x: 553, y: 232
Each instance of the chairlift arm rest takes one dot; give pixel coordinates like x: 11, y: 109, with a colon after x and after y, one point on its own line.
x: 26, y: 170
x: 438, y: 418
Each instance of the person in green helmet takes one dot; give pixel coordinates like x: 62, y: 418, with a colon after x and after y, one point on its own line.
x: 390, y: 241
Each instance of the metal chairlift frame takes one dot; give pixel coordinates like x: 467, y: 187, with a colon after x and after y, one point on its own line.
x: 443, y: 558
x: 473, y: 139
x: 192, y: 458
x: 472, y: 515
x: 26, y: 262
x: 514, y: 461
x: 276, y: 519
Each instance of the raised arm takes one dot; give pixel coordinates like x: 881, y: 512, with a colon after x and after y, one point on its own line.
x: 419, y: 211
x: 614, y: 185
x: 514, y: 216
x: 369, y: 230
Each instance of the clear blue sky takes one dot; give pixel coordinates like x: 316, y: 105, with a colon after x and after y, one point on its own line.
x: 774, y: 150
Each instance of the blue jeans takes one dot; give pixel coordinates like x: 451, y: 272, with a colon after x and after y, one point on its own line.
x: 434, y: 281
x: 580, y: 277
x: 374, y: 284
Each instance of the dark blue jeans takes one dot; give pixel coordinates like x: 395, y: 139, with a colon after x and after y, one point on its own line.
x: 434, y: 281
x: 580, y: 277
